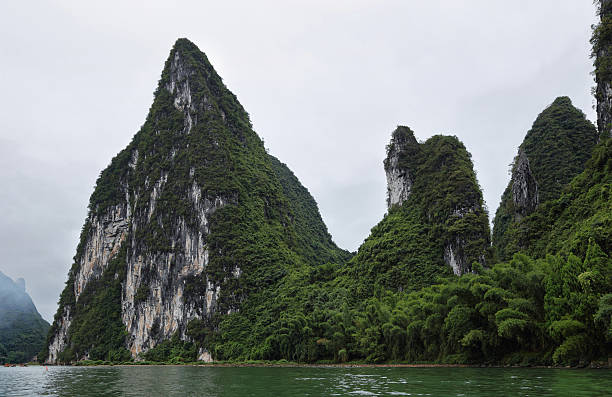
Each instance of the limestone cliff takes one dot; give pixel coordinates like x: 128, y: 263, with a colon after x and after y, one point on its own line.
x: 181, y: 223
x: 553, y: 152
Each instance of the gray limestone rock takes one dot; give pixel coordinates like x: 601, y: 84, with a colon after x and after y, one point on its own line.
x: 524, y: 186
x: 400, y: 177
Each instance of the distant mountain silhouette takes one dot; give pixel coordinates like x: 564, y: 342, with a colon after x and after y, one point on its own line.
x: 22, y: 329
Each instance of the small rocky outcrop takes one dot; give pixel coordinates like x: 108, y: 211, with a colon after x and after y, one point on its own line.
x: 400, y: 177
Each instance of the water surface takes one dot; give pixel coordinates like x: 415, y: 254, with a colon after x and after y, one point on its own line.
x: 308, y: 381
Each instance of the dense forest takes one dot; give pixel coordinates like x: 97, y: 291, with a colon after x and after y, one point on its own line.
x: 427, y: 285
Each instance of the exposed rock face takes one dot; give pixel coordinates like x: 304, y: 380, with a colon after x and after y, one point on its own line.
x: 399, y: 176
x: 107, y: 233
x: 398, y: 184
x: 163, y: 279
x: 604, y: 108
x: 153, y: 211
x: 602, y: 51
x: 59, y: 340
x: 160, y: 277
x: 524, y: 186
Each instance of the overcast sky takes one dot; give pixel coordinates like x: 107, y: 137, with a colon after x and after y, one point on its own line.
x: 325, y: 83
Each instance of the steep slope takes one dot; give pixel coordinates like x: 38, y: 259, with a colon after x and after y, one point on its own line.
x: 602, y: 54
x: 553, y: 152
x: 311, y: 238
x: 436, y: 224
x: 22, y: 329
x: 186, y: 223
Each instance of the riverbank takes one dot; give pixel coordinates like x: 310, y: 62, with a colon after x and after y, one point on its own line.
x: 287, y: 364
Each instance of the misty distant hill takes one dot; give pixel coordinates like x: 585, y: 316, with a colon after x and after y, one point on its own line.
x: 22, y: 329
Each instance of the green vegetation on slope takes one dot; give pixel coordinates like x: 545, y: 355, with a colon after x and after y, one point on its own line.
x: 556, y: 309
x: 313, y: 241
x: 557, y: 146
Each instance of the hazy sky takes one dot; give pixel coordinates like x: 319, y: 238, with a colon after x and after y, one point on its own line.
x: 325, y: 83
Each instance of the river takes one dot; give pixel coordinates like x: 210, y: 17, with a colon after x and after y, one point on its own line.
x: 301, y: 381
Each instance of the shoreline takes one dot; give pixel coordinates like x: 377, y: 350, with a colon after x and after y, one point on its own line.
x: 330, y: 365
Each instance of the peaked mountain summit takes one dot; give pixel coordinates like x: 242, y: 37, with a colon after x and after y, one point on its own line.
x: 554, y: 151
x: 186, y: 222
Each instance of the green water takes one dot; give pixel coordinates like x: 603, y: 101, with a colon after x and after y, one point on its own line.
x: 209, y: 381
